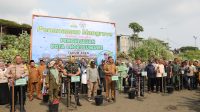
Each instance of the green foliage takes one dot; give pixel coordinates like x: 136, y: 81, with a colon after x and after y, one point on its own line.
x: 14, y: 45
x: 136, y: 27
x: 190, y: 55
x: 12, y: 24
x: 188, y: 48
x: 151, y: 48
x: 122, y: 55
x: 136, y: 30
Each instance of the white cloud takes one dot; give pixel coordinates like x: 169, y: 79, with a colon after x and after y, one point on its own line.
x: 92, y: 15
x: 17, y: 6
x: 187, y: 7
x: 39, y: 12
x: 96, y: 15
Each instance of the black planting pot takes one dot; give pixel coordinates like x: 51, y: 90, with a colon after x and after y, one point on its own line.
x: 99, y: 92
x: 170, y: 89
x: 53, y: 107
x: 99, y: 100
x: 131, y: 94
x: 126, y: 89
x: 45, y: 98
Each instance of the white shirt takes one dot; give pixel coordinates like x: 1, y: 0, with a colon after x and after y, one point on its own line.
x: 3, y: 78
x: 192, y: 70
x: 160, y: 70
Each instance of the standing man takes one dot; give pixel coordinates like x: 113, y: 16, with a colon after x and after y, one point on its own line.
x: 73, y: 69
x: 93, y: 80
x: 102, y: 74
x: 110, y: 70
x: 175, y: 69
x: 52, y: 82
x: 190, y: 75
x: 34, y: 81
x: 151, y: 74
x: 42, y: 68
x: 17, y: 71
x: 160, y: 69
x: 138, y: 67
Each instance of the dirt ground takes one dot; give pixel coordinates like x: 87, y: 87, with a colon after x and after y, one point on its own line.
x: 179, y: 101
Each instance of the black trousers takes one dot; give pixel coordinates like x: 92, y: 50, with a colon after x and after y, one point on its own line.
x: 151, y: 82
x: 196, y: 76
x: 18, y: 94
x: 84, y: 88
x: 4, y: 93
x: 75, y: 88
x: 159, y: 84
x: 103, y: 82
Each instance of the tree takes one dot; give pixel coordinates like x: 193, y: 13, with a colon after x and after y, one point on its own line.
x: 136, y: 30
x: 13, y: 45
x: 151, y: 48
x: 190, y: 55
x: 188, y: 48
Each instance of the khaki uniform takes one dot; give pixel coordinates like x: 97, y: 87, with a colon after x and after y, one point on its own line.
x: 16, y: 72
x: 34, y: 81
x: 108, y: 76
x: 41, y: 69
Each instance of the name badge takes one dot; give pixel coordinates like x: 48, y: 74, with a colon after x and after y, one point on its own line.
x: 164, y: 74
x: 20, y: 82
x: 115, y: 78
x: 144, y: 73
x: 75, y: 79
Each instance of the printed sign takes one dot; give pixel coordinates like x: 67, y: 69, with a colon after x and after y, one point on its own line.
x: 54, y: 37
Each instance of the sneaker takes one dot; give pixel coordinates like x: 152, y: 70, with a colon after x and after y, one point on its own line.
x: 89, y: 99
x: 108, y: 99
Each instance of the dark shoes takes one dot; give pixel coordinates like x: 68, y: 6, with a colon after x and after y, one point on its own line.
x: 79, y: 104
x: 23, y: 110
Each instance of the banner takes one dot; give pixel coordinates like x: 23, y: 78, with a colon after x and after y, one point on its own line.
x: 54, y: 37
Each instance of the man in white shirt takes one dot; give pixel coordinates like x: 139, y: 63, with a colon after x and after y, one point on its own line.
x: 159, y: 74
x: 190, y: 75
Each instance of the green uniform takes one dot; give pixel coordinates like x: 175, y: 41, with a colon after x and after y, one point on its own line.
x: 73, y: 68
x: 52, y: 79
x: 175, y: 77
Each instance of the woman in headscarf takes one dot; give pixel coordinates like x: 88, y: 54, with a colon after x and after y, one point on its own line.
x: 122, y: 73
x: 4, y: 91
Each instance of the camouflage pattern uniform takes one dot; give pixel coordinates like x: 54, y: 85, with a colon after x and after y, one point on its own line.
x: 73, y: 68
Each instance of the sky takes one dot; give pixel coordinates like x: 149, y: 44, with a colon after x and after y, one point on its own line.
x: 174, y: 21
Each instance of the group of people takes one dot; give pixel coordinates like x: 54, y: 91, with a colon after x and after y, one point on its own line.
x: 20, y: 79
x: 55, y: 76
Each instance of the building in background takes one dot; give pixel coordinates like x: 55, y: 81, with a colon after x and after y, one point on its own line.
x: 125, y: 43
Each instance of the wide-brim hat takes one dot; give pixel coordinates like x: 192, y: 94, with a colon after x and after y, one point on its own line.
x: 51, y: 63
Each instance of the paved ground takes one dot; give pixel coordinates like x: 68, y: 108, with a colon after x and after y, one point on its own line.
x: 184, y: 101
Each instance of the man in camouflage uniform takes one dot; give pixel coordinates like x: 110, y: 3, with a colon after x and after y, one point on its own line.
x: 73, y: 69
x: 175, y: 70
